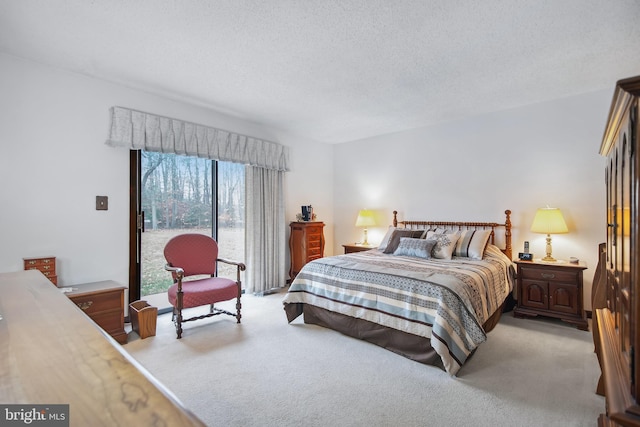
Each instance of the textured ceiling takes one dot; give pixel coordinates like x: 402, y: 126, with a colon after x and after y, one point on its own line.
x: 336, y: 70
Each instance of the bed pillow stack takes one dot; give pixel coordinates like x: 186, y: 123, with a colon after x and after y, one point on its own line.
x: 445, y: 243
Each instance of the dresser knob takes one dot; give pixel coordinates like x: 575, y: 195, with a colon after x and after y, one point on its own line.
x: 548, y: 275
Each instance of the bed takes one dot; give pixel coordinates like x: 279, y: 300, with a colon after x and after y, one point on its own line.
x: 431, y: 291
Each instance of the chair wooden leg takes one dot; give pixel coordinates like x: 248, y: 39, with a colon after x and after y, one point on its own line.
x: 238, y: 306
x: 178, y: 308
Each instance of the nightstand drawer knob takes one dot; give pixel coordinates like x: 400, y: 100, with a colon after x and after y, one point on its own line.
x: 548, y: 275
x: 85, y: 305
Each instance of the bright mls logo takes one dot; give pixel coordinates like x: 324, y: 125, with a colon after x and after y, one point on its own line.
x: 34, y: 415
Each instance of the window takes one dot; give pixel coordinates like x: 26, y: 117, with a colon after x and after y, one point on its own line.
x: 182, y: 194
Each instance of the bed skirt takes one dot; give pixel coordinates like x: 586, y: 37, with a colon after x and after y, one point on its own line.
x: 411, y: 346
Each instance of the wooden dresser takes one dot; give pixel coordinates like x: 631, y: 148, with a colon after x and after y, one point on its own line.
x: 618, y: 323
x: 103, y: 302
x: 306, y: 243
x: 53, y: 354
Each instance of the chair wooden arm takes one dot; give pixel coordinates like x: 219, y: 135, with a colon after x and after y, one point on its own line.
x: 241, y: 267
x: 179, y: 272
x: 239, y: 264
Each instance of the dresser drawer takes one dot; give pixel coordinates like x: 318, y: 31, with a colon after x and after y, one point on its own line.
x: 47, y: 269
x: 45, y: 263
x: 314, y: 243
x: 314, y: 230
x: 97, y: 303
x: 314, y: 252
x: 548, y: 275
x: 110, y: 321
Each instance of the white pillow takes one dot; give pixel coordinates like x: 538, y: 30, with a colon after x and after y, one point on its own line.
x: 472, y: 243
x: 445, y: 244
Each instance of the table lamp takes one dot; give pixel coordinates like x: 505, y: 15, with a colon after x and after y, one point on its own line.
x: 365, y: 219
x: 549, y: 221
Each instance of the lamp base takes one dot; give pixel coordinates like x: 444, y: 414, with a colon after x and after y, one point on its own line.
x: 549, y: 258
x: 365, y: 242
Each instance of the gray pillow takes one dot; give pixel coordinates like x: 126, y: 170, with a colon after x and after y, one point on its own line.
x: 397, y: 235
x: 420, y: 248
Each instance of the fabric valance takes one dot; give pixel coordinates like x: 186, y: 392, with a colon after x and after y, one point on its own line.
x: 137, y: 130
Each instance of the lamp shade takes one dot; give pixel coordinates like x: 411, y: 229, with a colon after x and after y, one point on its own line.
x: 365, y: 218
x: 549, y: 221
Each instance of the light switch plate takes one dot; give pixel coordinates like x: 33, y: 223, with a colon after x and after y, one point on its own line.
x: 102, y: 203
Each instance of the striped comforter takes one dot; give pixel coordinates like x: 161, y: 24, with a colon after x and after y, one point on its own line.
x: 445, y: 301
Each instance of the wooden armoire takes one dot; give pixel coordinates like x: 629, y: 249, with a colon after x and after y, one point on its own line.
x: 618, y: 323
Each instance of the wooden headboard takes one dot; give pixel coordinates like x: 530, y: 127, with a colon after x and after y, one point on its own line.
x: 465, y: 226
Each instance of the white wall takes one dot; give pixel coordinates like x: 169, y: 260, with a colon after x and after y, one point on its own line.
x: 472, y: 170
x: 310, y: 182
x: 54, y: 162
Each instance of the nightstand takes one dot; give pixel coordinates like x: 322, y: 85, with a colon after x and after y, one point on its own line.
x: 552, y: 290
x: 356, y: 247
x: 103, y: 302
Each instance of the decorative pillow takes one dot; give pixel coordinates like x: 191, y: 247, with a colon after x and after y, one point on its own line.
x: 397, y: 234
x: 420, y: 248
x: 386, y: 238
x: 445, y: 244
x: 472, y: 243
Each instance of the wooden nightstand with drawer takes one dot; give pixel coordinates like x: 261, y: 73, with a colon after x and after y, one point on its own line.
x: 356, y: 247
x: 553, y: 290
x: 103, y: 302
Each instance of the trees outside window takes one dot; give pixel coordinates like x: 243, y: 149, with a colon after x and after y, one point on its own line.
x: 182, y: 194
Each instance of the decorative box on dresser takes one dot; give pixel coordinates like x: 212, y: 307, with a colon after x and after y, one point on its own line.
x: 552, y: 290
x: 618, y: 323
x: 46, y: 265
x: 306, y: 243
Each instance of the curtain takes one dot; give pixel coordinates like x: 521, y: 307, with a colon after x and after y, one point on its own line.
x: 265, y: 230
x: 137, y: 130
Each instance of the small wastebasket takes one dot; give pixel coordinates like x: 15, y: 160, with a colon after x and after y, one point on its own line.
x: 143, y: 318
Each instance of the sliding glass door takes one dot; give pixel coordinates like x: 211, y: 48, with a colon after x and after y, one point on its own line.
x: 181, y: 194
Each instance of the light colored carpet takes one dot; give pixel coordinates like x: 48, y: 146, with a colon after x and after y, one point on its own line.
x: 265, y: 372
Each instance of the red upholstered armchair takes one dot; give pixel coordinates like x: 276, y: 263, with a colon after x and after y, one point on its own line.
x: 196, y: 254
